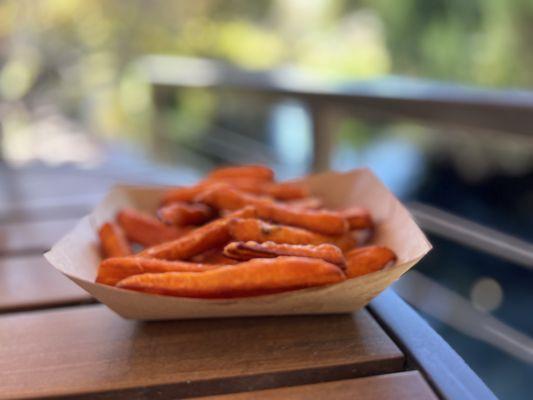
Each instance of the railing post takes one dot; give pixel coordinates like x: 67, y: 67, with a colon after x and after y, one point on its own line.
x: 158, y: 141
x: 324, y: 121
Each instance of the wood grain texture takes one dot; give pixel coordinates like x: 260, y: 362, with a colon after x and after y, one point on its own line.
x: 89, y: 352
x: 46, y: 183
x: 32, y: 237
x: 30, y: 282
x: 399, y: 386
x: 59, y: 207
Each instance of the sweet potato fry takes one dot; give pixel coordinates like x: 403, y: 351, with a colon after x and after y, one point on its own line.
x: 286, y: 190
x: 322, y: 221
x: 310, y: 203
x: 184, y: 193
x: 259, y: 172
x: 365, y: 260
x: 248, y: 250
x: 246, y: 184
x: 182, y: 214
x: 252, y: 278
x: 276, y: 190
x: 146, y: 230
x: 115, y: 269
x: 213, y: 256
x: 113, y: 241
x: 280, y: 191
x: 213, y: 234
x: 189, y: 193
x: 358, y: 218
x: 252, y: 229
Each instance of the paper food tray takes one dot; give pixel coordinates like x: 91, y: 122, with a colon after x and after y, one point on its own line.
x: 77, y: 256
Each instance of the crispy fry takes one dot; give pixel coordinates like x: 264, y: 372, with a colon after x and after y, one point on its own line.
x: 182, y: 214
x: 248, y: 250
x: 358, y: 218
x: 322, y: 221
x: 146, y: 230
x: 115, y: 269
x: 365, y: 260
x: 213, y: 234
x: 184, y: 193
x: 255, y: 277
x: 213, y: 256
x: 259, y: 172
x: 251, y: 229
x: 310, y: 203
x: 189, y: 193
x: 286, y: 190
x: 276, y: 190
x: 246, y: 184
x: 113, y: 241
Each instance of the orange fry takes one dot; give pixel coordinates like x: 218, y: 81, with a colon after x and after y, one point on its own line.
x: 311, y: 203
x: 213, y: 234
x: 146, y: 230
x: 322, y: 221
x: 189, y: 193
x: 113, y: 241
x: 246, y: 184
x: 277, y: 190
x: 358, y: 218
x: 248, y: 250
x: 259, y: 172
x: 280, y: 191
x: 365, y: 260
x: 251, y: 229
x: 252, y: 278
x: 115, y: 269
x: 183, y: 193
x: 286, y: 190
x: 182, y: 214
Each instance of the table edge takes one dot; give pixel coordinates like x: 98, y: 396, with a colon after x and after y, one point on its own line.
x: 446, y: 372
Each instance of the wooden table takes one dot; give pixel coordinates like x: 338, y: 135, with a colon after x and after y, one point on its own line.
x: 55, y: 341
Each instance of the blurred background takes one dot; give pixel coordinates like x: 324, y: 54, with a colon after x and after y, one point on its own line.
x: 433, y: 96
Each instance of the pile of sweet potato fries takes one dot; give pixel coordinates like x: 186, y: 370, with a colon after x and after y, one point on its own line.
x: 237, y: 233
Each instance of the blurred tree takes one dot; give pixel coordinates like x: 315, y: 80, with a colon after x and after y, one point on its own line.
x: 77, y: 55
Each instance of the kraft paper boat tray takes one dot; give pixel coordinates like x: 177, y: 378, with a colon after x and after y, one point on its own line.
x: 77, y: 256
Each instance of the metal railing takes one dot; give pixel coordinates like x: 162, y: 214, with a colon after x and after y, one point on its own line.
x: 479, y: 109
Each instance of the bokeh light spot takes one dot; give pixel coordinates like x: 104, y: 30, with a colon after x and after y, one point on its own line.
x: 486, y: 294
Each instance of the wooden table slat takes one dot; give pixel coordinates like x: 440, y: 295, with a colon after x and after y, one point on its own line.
x: 21, y: 185
x: 90, y: 352
x: 61, y: 207
x: 30, y: 282
x: 32, y: 237
x: 398, y: 386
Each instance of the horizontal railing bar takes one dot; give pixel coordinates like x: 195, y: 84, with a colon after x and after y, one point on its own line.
x: 493, y: 110
x: 468, y: 233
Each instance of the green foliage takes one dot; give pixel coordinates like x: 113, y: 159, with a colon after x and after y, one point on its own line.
x: 192, y: 113
x: 79, y: 52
